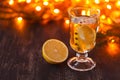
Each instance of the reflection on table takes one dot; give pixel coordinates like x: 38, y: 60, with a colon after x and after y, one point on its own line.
x: 21, y: 59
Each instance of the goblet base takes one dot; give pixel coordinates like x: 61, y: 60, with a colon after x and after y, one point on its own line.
x: 81, y: 63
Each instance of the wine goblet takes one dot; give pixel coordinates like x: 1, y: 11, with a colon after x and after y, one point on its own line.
x: 84, y: 23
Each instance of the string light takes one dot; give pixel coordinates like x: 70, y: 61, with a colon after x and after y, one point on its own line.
x: 19, y: 18
x: 21, y: 1
x: 113, y: 47
x: 36, y: 1
x: 45, y: 3
x: 97, y: 1
x: 56, y: 11
x: 109, y: 21
x: 88, y: 13
x: 38, y: 8
x: 118, y: 3
x: 11, y: 2
x: 87, y: 1
x: 106, y: 0
x: 112, y: 40
x: 78, y: 0
x: 28, y: 1
x: 109, y: 6
x: 83, y: 12
x: 103, y: 16
x: 59, y: 0
x: 67, y: 21
x: 54, y: 7
x: 19, y: 22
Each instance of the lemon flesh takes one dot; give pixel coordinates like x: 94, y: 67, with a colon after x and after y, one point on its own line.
x: 54, y: 51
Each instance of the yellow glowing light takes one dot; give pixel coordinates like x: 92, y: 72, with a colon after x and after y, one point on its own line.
x: 19, y: 18
x: 28, y: 1
x: 67, y: 21
x: 87, y: 1
x: 97, y: 1
x: 103, y: 16
x: 56, y: 11
x: 106, y: 0
x: 88, y: 13
x: 109, y: 6
x: 109, y: 21
x: 118, y: 3
x: 11, y: 2
x: 45, y: 0
x: 83, y: 12
x: 113, y: 45
x: 38, y: 8
x: 45, y: 16
x: 56, y: 0
x: 45, y: 3
x: 112, y: 40
x: 59, y: 0
x: 36, y: 0
x: 113, y: 48
x: 21, y: 1
x: 78, y: 0
x: 19, y: 22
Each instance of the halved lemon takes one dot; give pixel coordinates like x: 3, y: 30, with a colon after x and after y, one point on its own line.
x: 54, y: 51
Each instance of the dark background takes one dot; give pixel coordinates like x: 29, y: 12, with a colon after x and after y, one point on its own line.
x: 21, y: 59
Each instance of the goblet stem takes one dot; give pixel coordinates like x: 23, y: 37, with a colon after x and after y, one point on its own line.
x: 82, y: 55
x: 81, y: 62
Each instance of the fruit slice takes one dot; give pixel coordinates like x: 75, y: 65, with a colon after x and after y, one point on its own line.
x: 87, y: 34
x: 85, y: 37
x: 54, y: 51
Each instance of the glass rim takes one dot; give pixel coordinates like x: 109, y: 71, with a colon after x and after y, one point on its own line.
x: 84, y: 7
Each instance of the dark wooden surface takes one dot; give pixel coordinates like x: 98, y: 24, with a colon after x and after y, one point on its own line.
x: 21, y: 59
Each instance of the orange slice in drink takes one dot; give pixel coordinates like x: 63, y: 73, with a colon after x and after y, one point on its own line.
x: 54, y: 51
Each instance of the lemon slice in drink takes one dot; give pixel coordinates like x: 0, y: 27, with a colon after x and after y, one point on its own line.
x: 54, y: 51
x: 87, y: 34
x: 85, y: 37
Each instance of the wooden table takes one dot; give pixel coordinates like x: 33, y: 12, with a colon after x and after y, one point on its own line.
x: 21, y: 59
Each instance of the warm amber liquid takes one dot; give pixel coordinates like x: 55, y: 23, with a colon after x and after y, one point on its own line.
x: 83, y: 36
